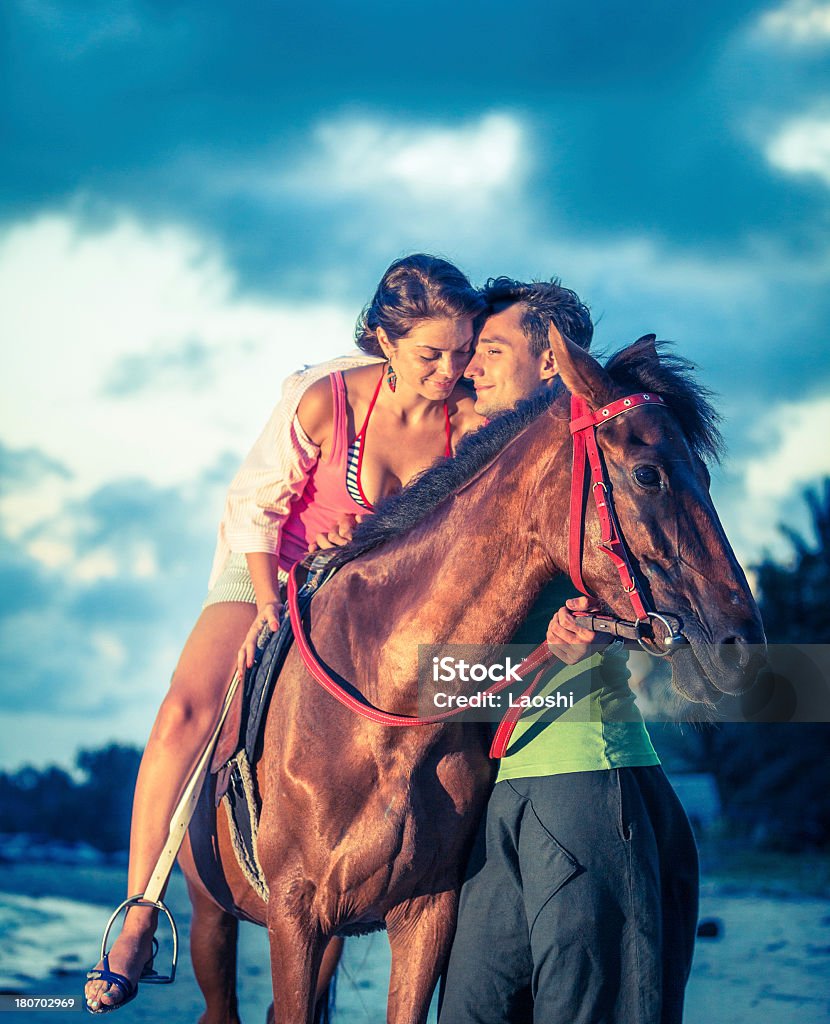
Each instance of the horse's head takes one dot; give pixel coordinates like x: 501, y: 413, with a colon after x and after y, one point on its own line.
x: 659, y: 485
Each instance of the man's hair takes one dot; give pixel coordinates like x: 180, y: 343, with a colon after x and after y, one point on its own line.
x: 543, y: 301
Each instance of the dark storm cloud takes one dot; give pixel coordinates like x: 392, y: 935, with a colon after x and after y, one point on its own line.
x: 636, y: 109
x: 637, y: 116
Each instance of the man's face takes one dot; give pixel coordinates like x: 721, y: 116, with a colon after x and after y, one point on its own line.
x: 502, y: 370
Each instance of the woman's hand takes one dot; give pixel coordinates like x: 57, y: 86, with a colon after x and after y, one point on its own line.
x: 339, y: 536
x: 268, y: 615
x: 569, y: 641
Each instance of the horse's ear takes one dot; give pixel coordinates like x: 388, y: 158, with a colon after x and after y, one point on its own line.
x: 648, y: 343
x: 581, y: 374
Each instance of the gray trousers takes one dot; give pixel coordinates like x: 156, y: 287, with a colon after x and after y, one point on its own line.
x: 579, y: 906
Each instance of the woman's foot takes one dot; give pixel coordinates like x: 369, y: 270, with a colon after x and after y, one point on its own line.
x: 130, y: 954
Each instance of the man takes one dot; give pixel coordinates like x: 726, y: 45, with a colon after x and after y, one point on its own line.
x: 580, y: 901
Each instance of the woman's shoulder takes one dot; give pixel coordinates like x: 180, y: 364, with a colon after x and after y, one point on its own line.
x: 362, y: 380
x: 316, y: 409
x: 464, y: 418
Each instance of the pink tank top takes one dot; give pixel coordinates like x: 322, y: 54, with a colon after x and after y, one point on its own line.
x: 325, y: 499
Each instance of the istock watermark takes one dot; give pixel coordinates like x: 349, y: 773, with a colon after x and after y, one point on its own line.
x: 457, y: 670
x: 783, y: 683
x: 449, y: 670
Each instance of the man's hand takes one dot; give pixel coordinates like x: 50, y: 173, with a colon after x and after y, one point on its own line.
x: 569, y: 641
x: 339, y: 536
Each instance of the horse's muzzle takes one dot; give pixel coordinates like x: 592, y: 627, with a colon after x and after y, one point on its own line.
x: 732, y: 664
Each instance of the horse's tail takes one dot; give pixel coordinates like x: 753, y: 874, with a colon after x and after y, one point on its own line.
x: 324, y: 1010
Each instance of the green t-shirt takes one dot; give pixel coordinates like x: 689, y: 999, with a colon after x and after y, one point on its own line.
x: 594, y: 723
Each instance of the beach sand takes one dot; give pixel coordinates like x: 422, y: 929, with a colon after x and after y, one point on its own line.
x: 771, y: 962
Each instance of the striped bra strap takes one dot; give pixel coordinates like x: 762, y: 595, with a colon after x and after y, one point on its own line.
x: 353, y: 459
x: 354, y: 455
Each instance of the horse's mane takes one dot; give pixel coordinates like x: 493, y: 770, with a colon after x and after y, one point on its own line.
x: 633, y: 368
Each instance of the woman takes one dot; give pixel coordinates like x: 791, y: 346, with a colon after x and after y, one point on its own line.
x: 357, y: 436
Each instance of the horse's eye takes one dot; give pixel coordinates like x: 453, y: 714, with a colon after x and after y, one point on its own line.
x: 647, y: 476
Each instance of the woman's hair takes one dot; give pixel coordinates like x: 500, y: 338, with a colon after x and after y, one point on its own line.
x: 413, y: 290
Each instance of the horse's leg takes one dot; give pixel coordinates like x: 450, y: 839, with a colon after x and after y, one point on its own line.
x: 420, y: 934
x: 330, y: 963
x: 297, y: 948
x: 213, y: 944
x: 328, y: 967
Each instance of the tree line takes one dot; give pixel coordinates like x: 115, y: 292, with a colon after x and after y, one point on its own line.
x: 94, y: 809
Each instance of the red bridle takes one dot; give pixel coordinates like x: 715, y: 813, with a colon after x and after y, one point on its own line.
x: 587, y: 456
x: 586, y: 453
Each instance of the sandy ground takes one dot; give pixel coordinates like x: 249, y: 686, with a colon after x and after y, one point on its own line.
x: 770, y: 963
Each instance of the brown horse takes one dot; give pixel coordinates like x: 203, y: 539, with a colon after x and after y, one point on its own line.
x: 365, y: 826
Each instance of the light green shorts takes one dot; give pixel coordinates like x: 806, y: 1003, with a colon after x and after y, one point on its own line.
x: 234, y: 582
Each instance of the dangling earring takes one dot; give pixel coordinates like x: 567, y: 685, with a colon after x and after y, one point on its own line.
x: 391, y: 376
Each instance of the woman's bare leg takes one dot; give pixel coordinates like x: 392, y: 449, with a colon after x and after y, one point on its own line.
x: 185, y: 720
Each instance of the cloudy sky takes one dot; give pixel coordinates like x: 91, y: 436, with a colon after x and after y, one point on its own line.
x: 197, y: 198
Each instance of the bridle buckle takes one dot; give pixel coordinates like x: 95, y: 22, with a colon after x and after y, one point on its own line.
x: 670, y: 642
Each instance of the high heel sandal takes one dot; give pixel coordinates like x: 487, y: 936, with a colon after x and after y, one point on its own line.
x: 149, y: 976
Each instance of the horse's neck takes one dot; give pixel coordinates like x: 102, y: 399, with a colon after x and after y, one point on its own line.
x: 468, y: 574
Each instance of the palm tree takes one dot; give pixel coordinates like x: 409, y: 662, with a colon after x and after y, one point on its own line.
x: 795, y: 598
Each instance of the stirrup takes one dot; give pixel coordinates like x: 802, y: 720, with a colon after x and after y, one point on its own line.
x: 139, y: 901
